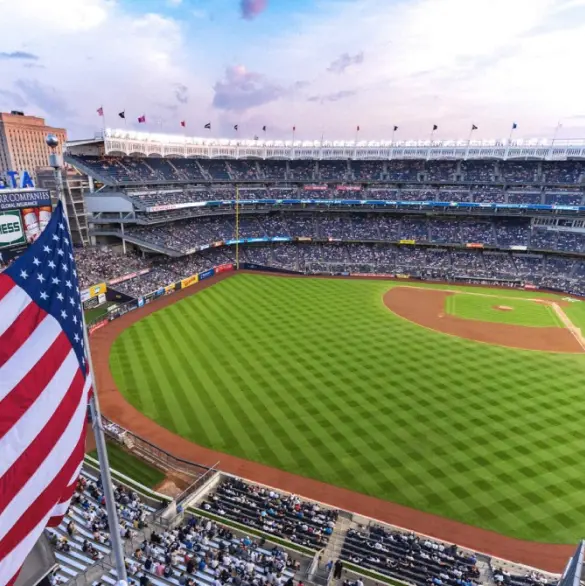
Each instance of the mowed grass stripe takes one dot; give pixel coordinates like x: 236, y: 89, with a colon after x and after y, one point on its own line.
x: 216, y: 385
x: 290, y: 432
x: 485, y: 435
x: 168, y: 375
x: 194, y: 381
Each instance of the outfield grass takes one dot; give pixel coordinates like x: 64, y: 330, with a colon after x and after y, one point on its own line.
x: 130, y: 466
x: 318, y: 377
x: 523, y: 313
x: 96, y: 312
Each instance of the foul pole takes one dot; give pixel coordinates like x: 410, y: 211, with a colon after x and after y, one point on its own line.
x: 237, y: 228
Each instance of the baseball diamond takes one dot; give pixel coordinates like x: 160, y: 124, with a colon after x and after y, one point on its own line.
x: 336, y: 380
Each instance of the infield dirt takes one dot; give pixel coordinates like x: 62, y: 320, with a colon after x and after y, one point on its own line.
x: 549, y: 557
x: 426, y: 307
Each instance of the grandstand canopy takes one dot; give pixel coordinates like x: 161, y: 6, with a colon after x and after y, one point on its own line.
x: 129, y: 142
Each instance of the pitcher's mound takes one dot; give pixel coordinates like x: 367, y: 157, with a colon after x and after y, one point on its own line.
x: 503, y: 308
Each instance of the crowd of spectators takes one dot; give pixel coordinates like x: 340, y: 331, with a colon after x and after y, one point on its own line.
x: 155, y: 169
x: 185, y: 236
x: 409, y: 557
x: 197, y: 552
x: 208, y: 235
x: 176, y: 195
x: 99, y: 263
x: 286, y: 516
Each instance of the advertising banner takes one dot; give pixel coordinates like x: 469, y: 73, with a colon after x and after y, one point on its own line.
x: 349, y: 188
x: 382, y: 275
x: 402, y: 276
x: 189, y: 281
x: 206, y: 274
x: 530, y: 287
x: 176, y: 206
x: 11, y: 199
x: 224, y: 268
x: 128, y: 277
x: 93, y: 291
x: 474, y: 245
x: 407, y: 241
x: 315, y: 187
x: 11, y: 229
x: 101, y: 298
x: 90, y: 303
x: 518, y: 247
x: 303, y: 239
x: 169, y: 289
x: 97, y: 326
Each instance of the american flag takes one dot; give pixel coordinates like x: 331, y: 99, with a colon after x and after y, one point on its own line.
x: 44, y: 389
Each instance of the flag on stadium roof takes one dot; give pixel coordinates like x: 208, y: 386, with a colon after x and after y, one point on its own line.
x: 100, y: 111
x: 294, y: 128
x: 473, y: 127
x: 435, y: 127
x: 395, y: 128
x: 183, y: 123
x: 514, y: 125
x: 235, y: 127
x: 122, y: 114
x: 208, y: 126
x: 358, y: 129
x: 264, y: 128
x: 44, y: 392
x: 142, y: 119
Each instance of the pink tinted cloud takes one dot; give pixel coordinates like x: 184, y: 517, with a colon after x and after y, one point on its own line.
x: 252, y: 8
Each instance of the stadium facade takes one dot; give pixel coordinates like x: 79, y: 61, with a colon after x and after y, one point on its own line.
x: 494, y: 211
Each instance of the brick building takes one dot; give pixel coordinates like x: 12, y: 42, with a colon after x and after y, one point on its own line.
x: 22, y: 142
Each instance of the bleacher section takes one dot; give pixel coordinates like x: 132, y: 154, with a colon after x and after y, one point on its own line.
x: 409, y: 557
x: 282, y: 515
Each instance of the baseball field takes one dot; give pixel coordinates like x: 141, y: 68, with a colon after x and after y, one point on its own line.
x: 463, y: 402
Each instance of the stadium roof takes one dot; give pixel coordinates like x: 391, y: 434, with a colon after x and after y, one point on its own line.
x: 127, y: 142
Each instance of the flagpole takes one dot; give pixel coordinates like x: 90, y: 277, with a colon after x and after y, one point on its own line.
x: 556, y: 132
x: 96, y: 419
x: 469, y: 140
x: 511, y: 133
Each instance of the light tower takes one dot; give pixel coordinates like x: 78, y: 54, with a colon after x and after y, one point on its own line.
x: 56, y: 161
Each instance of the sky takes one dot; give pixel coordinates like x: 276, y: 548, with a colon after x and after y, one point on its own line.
x: 323, y: 66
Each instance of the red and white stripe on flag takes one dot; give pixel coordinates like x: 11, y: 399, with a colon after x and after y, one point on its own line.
x: 43, y: 406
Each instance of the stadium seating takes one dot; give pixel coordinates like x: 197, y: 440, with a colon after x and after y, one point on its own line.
x: 283, y: 515
x: 409, y: 557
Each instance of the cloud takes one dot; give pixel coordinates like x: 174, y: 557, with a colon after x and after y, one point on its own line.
x: 344, y: 61
x: 250, y: 9
x: 241, y: 90
x: 334, y: 97
x: 10, y: 100
x: 44, y: 97
x: 182, y: 93
x: 19, y: 55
